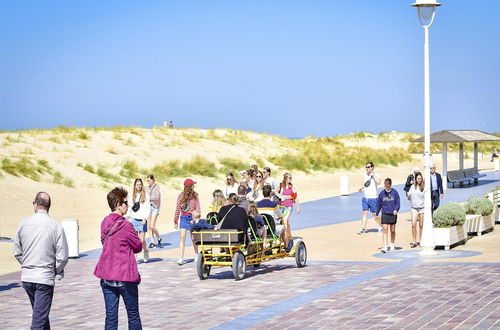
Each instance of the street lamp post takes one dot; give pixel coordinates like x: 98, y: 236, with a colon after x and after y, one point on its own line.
x: 426, y: 13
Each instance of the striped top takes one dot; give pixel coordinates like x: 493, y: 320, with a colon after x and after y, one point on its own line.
x: 193, y: 204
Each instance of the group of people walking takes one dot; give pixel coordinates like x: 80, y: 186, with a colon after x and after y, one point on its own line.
x: 256, y: 192
x: 387, y: 202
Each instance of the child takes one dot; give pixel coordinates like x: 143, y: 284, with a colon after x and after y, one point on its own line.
x: 388, y: 202
x: 261, y: 228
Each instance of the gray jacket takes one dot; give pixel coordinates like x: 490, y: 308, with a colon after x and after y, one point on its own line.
x: 41, y: 249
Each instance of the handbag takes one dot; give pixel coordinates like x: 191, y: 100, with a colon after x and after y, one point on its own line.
x: 367, y: 183
x: 136, y: 206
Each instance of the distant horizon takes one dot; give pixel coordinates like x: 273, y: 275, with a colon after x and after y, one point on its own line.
x: 222, y: 128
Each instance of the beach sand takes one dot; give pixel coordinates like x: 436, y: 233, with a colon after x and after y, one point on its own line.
x: 89, y: 206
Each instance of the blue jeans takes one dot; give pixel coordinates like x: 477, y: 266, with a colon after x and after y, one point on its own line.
x: 41, y: 299
x: 130, y: 295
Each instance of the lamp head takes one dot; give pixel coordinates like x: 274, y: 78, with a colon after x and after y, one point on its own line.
x: 426, y: 11
x: 426, y: 3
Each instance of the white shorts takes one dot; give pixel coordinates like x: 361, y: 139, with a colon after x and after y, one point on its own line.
x: 417, y: 210
x: 279, y: 229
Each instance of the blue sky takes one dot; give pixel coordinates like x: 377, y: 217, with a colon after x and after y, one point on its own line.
x: 293, y: 68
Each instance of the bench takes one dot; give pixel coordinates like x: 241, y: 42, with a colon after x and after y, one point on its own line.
x: 458, y: 177
x: 461, y: 176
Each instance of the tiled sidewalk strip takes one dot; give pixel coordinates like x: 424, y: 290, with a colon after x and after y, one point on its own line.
x: 281, y: 307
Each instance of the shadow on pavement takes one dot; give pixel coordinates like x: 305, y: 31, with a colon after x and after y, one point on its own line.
x: 9, y: 286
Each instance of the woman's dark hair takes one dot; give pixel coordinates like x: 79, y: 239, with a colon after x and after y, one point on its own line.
x: 371, y: 164
x: 116, y: 197
x: 150, y: 176
x: 388, y: 180
x: 233, y: 198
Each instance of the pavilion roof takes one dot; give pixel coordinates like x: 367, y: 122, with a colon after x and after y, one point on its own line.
x: 454, y: 136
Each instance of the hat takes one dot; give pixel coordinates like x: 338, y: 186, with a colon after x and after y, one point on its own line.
x: 187, y: 182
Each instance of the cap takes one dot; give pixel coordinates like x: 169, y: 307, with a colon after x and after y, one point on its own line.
x: 187, y: 182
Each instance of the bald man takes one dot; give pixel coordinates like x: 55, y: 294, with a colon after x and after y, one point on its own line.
x: 41, y: 249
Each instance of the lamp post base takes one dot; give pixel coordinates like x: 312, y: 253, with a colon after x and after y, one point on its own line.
x: 427, y: 251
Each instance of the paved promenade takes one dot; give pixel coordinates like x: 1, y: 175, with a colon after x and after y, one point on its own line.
x: 410, y: 293
x: 397, y: 290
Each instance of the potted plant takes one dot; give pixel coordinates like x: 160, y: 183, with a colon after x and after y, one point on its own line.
x: 494, y: 197
x: 448, y: 222
x: 479, y: 219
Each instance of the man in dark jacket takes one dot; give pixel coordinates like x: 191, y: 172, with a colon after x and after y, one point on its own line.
x: 437, y: 191
x: 234, y: 217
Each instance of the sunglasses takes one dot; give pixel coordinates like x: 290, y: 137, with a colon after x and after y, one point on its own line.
x: 125, y: 202
x: 368, y: 167
x: 229, y: 179
x: 259, y: 176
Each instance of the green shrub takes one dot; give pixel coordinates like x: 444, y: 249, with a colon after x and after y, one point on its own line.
x: 478, y: 205
x: 448, y: 215
x: 232, y: 165
x: 25, y: 167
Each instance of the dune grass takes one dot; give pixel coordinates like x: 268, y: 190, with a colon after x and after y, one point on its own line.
x: 199, y: 166
x: 232, y: 165
x: 25, y: 167
x: 58, y: 178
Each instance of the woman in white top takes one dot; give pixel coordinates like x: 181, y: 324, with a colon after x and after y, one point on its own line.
x: 416, y: 197
x: 231, y: 185
x: 138, y: 213
x: 256, y: 194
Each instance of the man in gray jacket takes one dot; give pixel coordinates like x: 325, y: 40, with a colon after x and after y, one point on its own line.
x: 41, y: 249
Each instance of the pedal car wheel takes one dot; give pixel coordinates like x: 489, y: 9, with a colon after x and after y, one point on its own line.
x: 203, y: 270
x: 239, y: 266
x: 256, y: 265
x: 301, y: 254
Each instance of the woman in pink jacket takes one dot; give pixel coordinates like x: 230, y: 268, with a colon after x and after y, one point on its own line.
x: 117, y: 267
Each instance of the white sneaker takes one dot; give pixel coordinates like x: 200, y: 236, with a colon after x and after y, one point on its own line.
x: 146, y: 256
x: 380, y: 229
x: 384, y: 249
x: 362, y: 231
x: 392, y: 248
x: 195, y: 258
x: 180, y: 261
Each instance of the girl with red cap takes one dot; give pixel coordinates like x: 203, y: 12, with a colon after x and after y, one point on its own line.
x: 187, y: 202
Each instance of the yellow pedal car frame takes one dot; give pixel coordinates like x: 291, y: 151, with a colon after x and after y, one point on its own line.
x: 223, y: 248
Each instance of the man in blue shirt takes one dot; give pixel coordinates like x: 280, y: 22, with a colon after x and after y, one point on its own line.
x: 437, y: 191
x: 388, y: 202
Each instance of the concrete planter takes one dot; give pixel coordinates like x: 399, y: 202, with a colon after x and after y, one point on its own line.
x: 449, y: 236
x: 478, y: 224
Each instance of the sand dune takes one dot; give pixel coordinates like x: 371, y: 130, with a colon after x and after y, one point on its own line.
x: 86, y: 200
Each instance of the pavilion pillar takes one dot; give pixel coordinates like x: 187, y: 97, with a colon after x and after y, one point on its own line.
x: 475, y: 156
x: 461, y: 156
x: 444, y: 175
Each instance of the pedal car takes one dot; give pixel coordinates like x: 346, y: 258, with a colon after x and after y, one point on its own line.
x: 230, y: 247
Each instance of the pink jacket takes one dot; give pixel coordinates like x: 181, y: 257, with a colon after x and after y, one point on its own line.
x: 117, y: 260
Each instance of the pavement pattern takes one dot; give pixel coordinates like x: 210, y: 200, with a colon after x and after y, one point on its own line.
x: 410, y: 293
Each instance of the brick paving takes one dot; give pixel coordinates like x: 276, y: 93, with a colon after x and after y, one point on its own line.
x: 412, y: 296
x: 172, y: 296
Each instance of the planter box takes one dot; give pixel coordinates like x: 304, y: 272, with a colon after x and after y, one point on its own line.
x: 476, y: 223
x: 449, y: 236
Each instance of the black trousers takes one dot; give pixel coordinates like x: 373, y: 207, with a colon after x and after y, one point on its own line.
x: 435, y: 199
x: 41, y: 300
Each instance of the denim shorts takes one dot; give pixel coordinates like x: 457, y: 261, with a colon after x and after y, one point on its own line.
x: 369, y: 203
x: 186, y: 222
x: 138, y: 226
x: 154, y: 210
